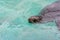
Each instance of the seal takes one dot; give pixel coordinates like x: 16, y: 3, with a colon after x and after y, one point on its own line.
x: 48, y: 14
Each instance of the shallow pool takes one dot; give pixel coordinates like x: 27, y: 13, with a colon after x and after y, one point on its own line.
x: 14, y: 24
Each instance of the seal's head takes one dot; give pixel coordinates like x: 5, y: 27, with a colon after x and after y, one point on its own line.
x: 35, y: 19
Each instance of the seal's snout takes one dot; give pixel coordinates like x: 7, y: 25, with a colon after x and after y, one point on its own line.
x: 35, y: 19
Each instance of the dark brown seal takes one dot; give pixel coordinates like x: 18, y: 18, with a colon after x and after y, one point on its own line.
x: 35, y: 19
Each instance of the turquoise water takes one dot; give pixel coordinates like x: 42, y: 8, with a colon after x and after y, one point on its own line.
x: 14, y: 24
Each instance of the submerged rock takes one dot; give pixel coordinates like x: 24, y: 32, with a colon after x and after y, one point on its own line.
x: 48, y: 14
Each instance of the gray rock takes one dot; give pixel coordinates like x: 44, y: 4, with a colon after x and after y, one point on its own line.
x: 48, y: 14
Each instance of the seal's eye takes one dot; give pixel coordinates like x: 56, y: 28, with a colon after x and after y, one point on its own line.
x: 34, y: 20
